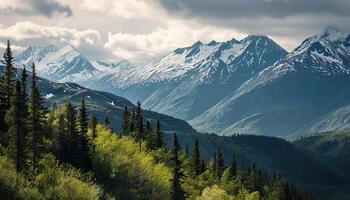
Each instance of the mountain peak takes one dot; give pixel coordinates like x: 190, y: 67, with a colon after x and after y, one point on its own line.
x: 332, y: 30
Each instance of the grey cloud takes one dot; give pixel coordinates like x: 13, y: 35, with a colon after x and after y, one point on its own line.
x: 38, y: 7
x: 50, y: 7
x: 256, y: 8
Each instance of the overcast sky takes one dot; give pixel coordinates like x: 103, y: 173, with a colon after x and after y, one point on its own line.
x: 142, y: 30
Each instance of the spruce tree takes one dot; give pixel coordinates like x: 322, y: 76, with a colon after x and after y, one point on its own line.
x: 84, y: 147
x: 233, y: 167
x: 124, y: 122
x: 72, y: 136
x: 137, y: 115
x: 92, y: 125
x: 214, y: 164
x: 195, y: 162
x: 16, y: 131
x: 6, y: 90
x: 132, y: 121
x: 62, y: 139
x: 177, y: 192
x: 37, y: 122
x: 159, y: 136
x: 219, y: 164
x: 106, y: 122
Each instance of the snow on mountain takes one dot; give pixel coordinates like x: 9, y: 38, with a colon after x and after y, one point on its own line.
x: 109, y: 67
x: 289, y: 96
x: 65, y: 64
x: 177, y: 83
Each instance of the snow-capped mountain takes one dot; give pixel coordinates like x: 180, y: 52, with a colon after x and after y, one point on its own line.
x: 190, y: 80
x: 308, y: 86
x: 109, y: 67
x: 65, y: 64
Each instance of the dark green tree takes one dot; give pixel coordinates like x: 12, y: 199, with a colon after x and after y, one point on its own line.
x: 177, y: 192
x: 62, y: 152
x: 132, y: 121
x: 73, y: 139
x: 253, y: 178
x: 7, y: 82
x: 124, y: 121
x: 37, y: 122
x: 219, y: 165
x: 195, y: 161
x: 84, y: 145
x: 106, y: 122
x: 92, y: 125
x: 233, y: 167
x: 159, y: 136
x: 17, y: 130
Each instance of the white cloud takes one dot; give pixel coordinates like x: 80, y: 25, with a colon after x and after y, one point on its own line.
x: 125, y: 8
x: 143, y: 47
x: 26, y: 33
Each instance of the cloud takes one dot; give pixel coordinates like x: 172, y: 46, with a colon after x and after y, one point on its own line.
x: 46, y: 8
x: 145, y: 47
x: 224, y: 9
x: 125, y: 8
x: 24, y: 34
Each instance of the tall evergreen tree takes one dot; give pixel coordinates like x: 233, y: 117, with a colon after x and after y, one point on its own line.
x: 72, y: 136
x: 107, y: 122
x: 124, y: 122
x: 62, y: 152
x: 253, y: 178
x: 37, y: 121
x: 92, y: 125
x: 84, y: 146
x: 214, y: 164
x: 177, y: 192
x: 132, y: 121
x: 137, y: 115
x: 220, y: 164
x: 159, y: 136
x: 233, y: 167
x: 6, y: 90
x: 195, y: 163
x: 17, y: 131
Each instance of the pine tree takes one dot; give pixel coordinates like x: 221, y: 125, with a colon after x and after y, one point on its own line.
x: 159, y: 136
x: 124, y: 122
x: 233, y: 167
x: 177, y: 192
x: 37, y: 122
x: 132, y: 121
x: 92, y: 125
x: 72, y: 136
x: 62, y: 153
x: 195, y: 159
x: 137, y: 116
x: 220, y: 164
x: 17, y: 131
x: 6, y: 90
x: 214, y: 164
x: 84, y: 146
x: 107, y: 122
x: 253, y: 178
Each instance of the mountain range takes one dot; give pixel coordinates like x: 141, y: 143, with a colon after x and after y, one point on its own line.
x: 250, y: 86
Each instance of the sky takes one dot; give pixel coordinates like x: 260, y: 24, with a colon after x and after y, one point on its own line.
x: 144, y: 30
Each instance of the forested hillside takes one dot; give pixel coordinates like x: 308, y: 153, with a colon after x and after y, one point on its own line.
x: 62, y: 153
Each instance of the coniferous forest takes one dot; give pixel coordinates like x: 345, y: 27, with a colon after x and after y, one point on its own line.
x: 64, y: 152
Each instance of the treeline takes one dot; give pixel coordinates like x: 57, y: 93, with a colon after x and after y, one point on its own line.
x: 63, y: 148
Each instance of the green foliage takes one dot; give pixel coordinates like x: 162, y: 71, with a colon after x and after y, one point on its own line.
x: 130, y: 172
x: 214, y: 193
x: 53, y: 182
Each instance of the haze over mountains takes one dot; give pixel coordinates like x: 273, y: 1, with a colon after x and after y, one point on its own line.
x: 249, y: 86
